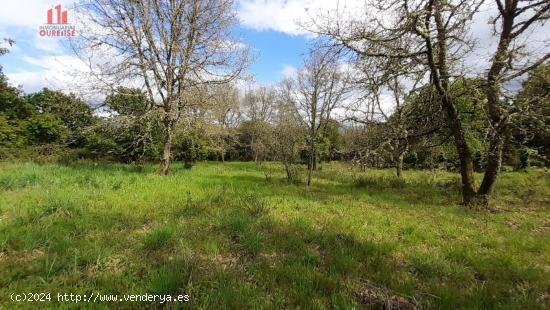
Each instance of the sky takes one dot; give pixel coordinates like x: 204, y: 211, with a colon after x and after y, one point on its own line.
x: 268, y: 26
x: 34, y: 62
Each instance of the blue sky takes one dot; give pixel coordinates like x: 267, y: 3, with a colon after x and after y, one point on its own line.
x: 268, y: 27
x: 276, y: 53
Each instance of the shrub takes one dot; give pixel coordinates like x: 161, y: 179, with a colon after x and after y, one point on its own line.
x: 45, y: 128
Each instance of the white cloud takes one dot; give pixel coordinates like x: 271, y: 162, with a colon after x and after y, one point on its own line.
x: 48, y: 44
x: 20, y: 20
x: 284, y: 15
x: 288, y: 71
x: 29, y: 13
x: 276, y: 15
x: 55, y: 72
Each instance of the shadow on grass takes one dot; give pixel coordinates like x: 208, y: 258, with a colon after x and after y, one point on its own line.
x: 414, y: 190
x: 228, y: 251
x: 373, y: 189
x: 109, y: 168
x: 261, y: 262
x: 273, y: 265
x: 310, y: 267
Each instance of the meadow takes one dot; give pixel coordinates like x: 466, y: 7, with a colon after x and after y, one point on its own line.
x: 238, y: 236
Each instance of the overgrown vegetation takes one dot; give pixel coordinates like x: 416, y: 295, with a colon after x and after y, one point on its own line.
x: 229, y: 238
x: 300, y: 209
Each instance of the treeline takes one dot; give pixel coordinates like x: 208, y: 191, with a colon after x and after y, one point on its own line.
x: 223, y: 125
x: 259, y: 125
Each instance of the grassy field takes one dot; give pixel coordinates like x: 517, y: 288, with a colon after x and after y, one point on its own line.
x: 234, y: 236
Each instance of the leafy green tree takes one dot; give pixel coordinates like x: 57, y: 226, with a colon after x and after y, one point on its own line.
x: 10, y: 135
x: 330, y: 143
x: 254, y: 140
x: 101, y: 143
x: 128, y: 102
x: 429, y: 135
x: 190, y: 144
x: 73, y: 112
x: 12, y: 103
x: 129, y: 134
x: 531, y: 126
x: 45, y: 128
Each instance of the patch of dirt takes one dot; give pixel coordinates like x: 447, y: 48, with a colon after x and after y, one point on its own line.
x: 375, y: 297
x: 140, y: 232
x: 227, y: 261
x: 512, y: 225
x: 114, y: 264
x: 110, y: 265
x: 22, y: 257
x: 273, y: 259
x: 29, y: 256
x: 314, y: 249
x: 545, y: 227
x: 544, y: 298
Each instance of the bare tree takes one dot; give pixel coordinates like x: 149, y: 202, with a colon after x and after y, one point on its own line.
x: 511, y: 24
x: 418, y: 33
x: 259, y: 109
x: 318, y: 88
x: 433, y: 34
x: 391, y: 81
x: 225, y: 113
x: 288, y: 134
x: 166, y: 47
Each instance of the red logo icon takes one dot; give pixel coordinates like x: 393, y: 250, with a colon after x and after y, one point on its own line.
x: 61, y: 16
x: 57, y: 24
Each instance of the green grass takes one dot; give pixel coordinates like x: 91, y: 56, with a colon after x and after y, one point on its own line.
x: 232, y: 239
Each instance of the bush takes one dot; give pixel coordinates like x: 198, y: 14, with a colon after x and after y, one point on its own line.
x: 42, y: 154
x: 10, y: 134
x: 45, y: 128
x: 189, y: 148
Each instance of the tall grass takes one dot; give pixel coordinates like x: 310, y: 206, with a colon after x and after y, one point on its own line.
x: 231, y: 239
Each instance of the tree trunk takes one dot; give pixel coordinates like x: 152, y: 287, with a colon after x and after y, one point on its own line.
x: 311, y: 163
x: 440, y: 76
x: 464, y: 154
x: 167, y: 150
x: 399, y: 166
x: 494, y: 161
x: 496, y: 142
x: 287, y: 170
x: 496, y: 117
x: 315, y: 161
x: 253, y: 149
